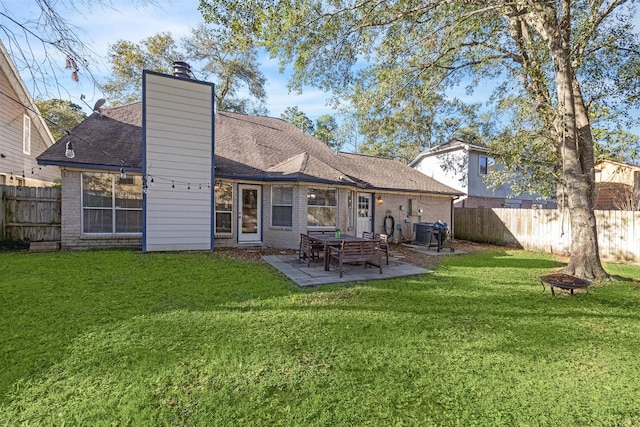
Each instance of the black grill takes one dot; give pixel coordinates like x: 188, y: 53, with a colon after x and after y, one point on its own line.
x: 431, y: 234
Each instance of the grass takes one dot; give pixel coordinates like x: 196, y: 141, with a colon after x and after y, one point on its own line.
x: 123, y: 338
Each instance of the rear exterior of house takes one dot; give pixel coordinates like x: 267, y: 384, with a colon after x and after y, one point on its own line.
x: 24, y: 133
x: 268, y: 183
x: 99, y: 209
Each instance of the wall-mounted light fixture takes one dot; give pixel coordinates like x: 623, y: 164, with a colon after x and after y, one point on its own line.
x: 379, y: 200
x: 123, y: 173
x: 69, y: 152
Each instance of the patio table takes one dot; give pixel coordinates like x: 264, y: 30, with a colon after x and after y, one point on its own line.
x: 331, y: 240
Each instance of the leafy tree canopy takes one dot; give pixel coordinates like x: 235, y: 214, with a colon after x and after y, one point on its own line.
x: 212, y: 55
x: 556, y: 61
x: 60, y: 115
x: 325, y: 128
x: 299, y: 119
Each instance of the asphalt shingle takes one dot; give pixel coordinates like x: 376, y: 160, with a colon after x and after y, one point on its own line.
x: 251, y: 147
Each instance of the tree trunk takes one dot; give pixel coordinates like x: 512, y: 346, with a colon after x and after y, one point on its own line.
x: 577, y: 159
x: 585, y: 253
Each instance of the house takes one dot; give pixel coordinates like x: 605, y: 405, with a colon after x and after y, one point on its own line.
x: 617, y: 185
x: 464, y: 166
x: 24, y: 132
x: 269, y: 181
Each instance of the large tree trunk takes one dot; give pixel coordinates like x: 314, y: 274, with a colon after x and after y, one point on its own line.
x: 577, y: 160
x: 585, y: 254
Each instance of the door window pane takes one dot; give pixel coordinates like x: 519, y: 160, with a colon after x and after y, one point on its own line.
x: 249, y: 211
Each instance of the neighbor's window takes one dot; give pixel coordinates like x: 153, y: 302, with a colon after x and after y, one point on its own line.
x: 26, y: 135
x: 282, y: 206
x: 486, y: 164
x: 224, y: 206
x: 110, y: 204
x: 322, y: 207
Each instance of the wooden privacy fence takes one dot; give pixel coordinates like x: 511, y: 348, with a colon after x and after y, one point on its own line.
x: 548, y: 230
x: 30, y: 213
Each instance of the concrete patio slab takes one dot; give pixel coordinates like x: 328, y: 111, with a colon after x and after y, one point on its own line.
x: 433, y: 251
x: 315, y: 275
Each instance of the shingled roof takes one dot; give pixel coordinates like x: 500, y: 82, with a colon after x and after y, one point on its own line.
x: 246, y: 147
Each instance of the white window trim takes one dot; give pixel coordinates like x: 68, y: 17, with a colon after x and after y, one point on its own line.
x: 281, y: 204
x: 113, y: 208
x: 26, y: 135
x: 230, y: 212
x: 324, y: 227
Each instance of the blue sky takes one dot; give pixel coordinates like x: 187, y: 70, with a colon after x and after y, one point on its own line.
x: 99, y: 27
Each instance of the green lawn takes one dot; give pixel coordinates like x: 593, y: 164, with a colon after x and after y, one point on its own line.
x: 124, y: 338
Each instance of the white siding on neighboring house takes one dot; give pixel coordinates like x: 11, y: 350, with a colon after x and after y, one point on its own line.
x: 450, y: 168
x: 464, y: 167
x: 178, y: 154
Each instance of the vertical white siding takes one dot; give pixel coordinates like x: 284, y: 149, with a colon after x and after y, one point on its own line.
x: 178, y: 152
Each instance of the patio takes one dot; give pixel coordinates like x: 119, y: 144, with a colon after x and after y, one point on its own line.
x: 314, y: 275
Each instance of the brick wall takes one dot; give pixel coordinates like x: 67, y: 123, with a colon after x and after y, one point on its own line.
x: 71, y: 232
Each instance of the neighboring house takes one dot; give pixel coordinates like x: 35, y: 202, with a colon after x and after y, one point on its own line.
x: 24, y: 134
x: 272, y: 182
x: 464, y: 166
x: 617, y: 186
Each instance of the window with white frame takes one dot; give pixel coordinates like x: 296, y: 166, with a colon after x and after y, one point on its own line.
x: 110, y: 204
x: 322, y: 207
x: 350, y: 209
x: 282, y: 206
x: 26, y: 135
x: 487, y: 164
x: 224, y: 206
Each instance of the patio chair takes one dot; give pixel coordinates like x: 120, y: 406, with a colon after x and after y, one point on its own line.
x: 309, y: 249
x: 384, y: 244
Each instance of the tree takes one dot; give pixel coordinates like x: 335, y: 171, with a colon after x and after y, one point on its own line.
x: 326, y: 128
x: 233, y: 64
x: 61, y: 116
x: 402, y: 132
x: 545, y: 50
x: 210, y: 52
x: 44, y: 44
x: 128, y: 60
x: 299, y: 119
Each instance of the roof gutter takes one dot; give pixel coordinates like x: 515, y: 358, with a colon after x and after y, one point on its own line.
x: 75, y: 165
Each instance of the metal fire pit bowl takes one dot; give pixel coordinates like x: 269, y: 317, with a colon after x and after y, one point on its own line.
x: 564, y: 281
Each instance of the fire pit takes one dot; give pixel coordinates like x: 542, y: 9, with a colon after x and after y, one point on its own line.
x: 564, y: 281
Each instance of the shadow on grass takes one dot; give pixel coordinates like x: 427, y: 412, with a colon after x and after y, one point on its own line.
x: 504, y: 259
x: 63, y: 304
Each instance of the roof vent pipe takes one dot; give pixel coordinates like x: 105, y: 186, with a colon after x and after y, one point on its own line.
x: 181, y: 69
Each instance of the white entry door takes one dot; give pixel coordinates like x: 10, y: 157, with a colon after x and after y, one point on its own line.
x: 249, y: 213
x: 363, y: 213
